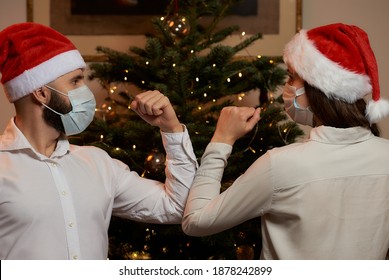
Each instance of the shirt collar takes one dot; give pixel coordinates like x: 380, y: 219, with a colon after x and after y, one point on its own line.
x: 340, y: 136
x: 13, y: 139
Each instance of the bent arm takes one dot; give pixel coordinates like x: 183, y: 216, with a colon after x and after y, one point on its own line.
x: 151, y: 201
x: 208, y: 211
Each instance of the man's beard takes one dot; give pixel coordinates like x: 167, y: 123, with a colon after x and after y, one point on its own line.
x: 57, y: 104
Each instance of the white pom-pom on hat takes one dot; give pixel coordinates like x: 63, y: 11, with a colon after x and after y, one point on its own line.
x: 377, y: 110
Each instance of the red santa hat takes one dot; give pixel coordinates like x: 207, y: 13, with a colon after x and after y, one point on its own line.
x: 338, y: 60
x: 33, y: 55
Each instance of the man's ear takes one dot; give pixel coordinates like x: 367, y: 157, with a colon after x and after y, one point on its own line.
x: 42, y: 95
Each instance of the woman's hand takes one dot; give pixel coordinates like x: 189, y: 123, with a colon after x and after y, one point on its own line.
x: 234, y: 122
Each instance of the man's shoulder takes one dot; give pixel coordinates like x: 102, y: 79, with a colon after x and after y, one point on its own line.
x: 88, y: 150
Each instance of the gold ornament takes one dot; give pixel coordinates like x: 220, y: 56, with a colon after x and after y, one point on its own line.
x: 245, y: 252
x: 155, y: 162
x: 107, y: 111
x: 137, y: 255
x: 178, y: 25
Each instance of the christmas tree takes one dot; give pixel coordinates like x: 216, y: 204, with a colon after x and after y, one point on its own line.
x: 185, y: 58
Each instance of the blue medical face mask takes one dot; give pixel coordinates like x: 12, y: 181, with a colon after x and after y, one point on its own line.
x: 83, y: 110
x: 300, y: 115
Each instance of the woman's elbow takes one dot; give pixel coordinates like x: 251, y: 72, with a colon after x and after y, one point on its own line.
x: 190, y: 227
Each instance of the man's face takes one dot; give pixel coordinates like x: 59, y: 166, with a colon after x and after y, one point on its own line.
x: 60, y: 103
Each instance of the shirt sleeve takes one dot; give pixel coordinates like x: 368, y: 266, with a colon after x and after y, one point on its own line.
x: 146, y: 200
x: 208, y: 211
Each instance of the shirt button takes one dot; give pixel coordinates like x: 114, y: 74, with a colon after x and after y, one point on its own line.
x: 53, y: 164
x: 71, y: 224
x: 75, y: 257
x: 64, y: 193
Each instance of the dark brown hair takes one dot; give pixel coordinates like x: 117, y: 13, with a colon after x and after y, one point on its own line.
x: 337, y: 113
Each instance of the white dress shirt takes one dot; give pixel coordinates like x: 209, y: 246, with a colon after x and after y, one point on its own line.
x: 326, y: 198
x: 59, y: 207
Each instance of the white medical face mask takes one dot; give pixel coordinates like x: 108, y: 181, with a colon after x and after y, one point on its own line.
x: 300, y: 115
x: 83, y: 110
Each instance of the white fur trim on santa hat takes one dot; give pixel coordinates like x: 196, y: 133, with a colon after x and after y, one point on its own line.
x: 316, y: 69
x: 43, y: 74
x: 377, y: 110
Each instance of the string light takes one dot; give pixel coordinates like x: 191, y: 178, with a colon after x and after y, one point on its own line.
x: 125, y: 77
x: 286, y: 131
x: 228, y: 80
x: 251, y: 140
x: 113, y: 89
